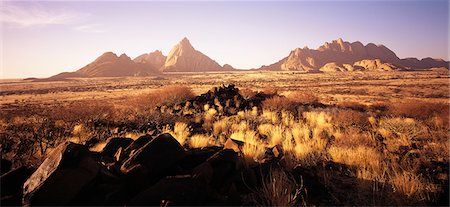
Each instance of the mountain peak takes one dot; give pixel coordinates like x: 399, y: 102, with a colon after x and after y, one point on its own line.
x: 183, y: 57
x: 185, y: 43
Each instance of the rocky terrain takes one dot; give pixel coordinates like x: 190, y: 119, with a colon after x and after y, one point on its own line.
x: 229, y: 147
x: 184, y: 58
x: 337, y: 56
x: 341, y: 52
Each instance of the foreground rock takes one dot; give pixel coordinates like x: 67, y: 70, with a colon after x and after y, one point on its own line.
x: 11, y: 186
x: 61, y: 177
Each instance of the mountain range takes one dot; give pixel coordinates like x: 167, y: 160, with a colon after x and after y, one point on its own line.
x: 336, y: 56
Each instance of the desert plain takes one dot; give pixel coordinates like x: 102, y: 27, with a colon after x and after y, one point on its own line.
x: 344, y: 138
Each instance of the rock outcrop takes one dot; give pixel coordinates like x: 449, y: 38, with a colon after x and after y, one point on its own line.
x: 184, y: 58
x: 340, y: 52
x: 154, y: 59
x: 109, y: 65
x: 362, y: 65
x: 376, y: 65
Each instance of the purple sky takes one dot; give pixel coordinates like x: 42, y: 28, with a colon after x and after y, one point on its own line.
x: 40, y: 39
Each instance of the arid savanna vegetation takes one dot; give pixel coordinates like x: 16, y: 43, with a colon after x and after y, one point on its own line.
x: 376, y: 138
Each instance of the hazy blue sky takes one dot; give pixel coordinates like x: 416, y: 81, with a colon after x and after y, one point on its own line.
x: 40, y: 39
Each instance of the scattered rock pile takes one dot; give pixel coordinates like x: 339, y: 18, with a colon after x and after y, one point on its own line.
x: 146, y: 171
x: 226, y: 100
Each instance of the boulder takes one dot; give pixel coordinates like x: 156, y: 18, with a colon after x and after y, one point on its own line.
x: 114, y: 145
x: 61, y: 177
x: 219, y: 170
x: 5, y: 166
x: 11, y: 186
x: 195, y: 157
x: 185, y: 190
x: 157, y: 155
x: 136, y: 144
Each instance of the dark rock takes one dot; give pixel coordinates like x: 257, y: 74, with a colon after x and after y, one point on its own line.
x: 177, y: 190
x: 114, y: 144
x: 61, y: 177
x: 138, y: 143
x: 318, y: 194
x: 11, y: 186
x: 226, y: 99
x: 157, y: 155
x: 195, y: 157
x: 5, y: 166
x: 220, y: 170
x: 105, y: 189
x: 150, y: 163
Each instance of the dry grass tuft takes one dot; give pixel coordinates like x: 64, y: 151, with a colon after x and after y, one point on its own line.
x: 180, y: 132
x: 279, y: 189
x: 200, y: 141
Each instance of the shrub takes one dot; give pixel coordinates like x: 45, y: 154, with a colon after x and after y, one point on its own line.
x: 405, y: 129
x: 83, y: 111
x: 279, y: 189
x: 420, y: 110
x: 351, y: 118
x: 168, y: 95
x: 412, y: 185
x: 303, y: 97
x: 279, y: 103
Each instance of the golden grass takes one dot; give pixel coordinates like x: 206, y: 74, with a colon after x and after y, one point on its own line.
x: 200, y: 141
x: 279, y: 189
x: 412, y: 185
x: 180, y: 132
x: 360, y: 157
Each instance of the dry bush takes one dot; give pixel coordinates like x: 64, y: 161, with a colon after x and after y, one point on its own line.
x: 247, y: 92
x: 303, y: 97
x: 279, y: 189
x: 412, y: 185
x: 421, y: 110
x: 270, y: 90
x: 351, y: 118
x: 279, y: 103
x: 352, y: 137
x: 167, y: 95
x: 83, y: 111
x: 353, y: 105
x: 401, y: 129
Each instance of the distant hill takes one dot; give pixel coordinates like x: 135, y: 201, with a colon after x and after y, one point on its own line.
x: 337, y: 56
x: 110, y: 65
x: 154, y: 59
x: 184, y: 58
x: 333, y: 56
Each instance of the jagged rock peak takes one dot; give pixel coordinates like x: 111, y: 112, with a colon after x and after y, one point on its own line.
x: 184, y: 43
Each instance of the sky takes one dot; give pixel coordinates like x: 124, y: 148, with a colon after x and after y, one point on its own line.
x: 43, y: 38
